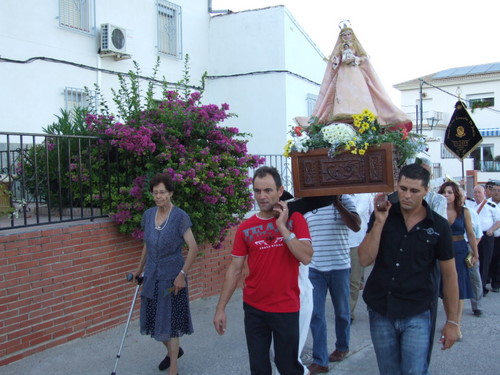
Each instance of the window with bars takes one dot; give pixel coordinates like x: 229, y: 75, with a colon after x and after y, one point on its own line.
x: 77, y: 15
x: 79, y: 98
x: 169, y: 29
x: 311, y: 102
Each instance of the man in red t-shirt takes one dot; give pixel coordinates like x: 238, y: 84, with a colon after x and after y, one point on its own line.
x: 274, y: 245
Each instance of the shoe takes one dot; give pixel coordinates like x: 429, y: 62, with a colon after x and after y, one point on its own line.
x: 460, y: 336
x: 485, y: 292
x: 337, y: 355
x: 314, y: 368
x: 165, y: 364
x: 477, y: 312
x: 495, y: 290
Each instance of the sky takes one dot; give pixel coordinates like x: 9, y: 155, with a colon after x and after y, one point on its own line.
x: 404, y: 39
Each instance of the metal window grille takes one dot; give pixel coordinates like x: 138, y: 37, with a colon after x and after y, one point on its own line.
x: 311, y: 102
x: 445, y: 154
x: 74, y: 97
x: 169, y: 29
x: 77, y: 15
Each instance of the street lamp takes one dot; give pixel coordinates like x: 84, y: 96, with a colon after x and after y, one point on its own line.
x: 432, y: 121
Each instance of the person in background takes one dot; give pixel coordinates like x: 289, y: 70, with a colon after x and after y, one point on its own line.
x: 405, y: 240
x: 435, y: 201
x: 489, y: 219
x: 329, y: 272
x: 165, y: 313
x: 494, y: 270
x: 488, y: 187
x: 364, y: 208
x: 274, y: 245
x: 460, y: 223
x: 474, y: 274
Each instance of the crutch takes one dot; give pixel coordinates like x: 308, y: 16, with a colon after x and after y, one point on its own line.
x: 130, y: 277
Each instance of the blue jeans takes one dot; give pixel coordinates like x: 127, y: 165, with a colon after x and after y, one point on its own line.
x: 401, y: 345
x: 337, y: 282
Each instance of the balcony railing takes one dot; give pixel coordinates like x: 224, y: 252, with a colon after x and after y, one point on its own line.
x: 47, y: 179
x: 487, y: 166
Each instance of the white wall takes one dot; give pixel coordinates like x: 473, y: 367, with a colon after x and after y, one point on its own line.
x: 275, y: 61
x: 30, y: 94
x: 255, y: 45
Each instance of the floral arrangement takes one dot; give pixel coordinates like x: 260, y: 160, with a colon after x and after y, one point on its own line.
x: 365, y: 132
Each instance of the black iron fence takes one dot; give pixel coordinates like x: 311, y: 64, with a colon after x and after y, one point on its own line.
x: 47, y: 178
x: 55, y: 178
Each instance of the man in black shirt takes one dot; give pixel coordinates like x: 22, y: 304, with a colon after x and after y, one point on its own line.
x: 405, y: 240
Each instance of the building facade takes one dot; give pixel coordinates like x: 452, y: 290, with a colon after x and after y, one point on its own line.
x: 430, y: 102
x: 261, y: 62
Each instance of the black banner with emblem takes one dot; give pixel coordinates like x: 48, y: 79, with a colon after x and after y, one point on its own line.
x: 462, y: 135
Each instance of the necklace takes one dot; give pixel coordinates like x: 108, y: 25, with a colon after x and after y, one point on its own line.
x: 160, y: 227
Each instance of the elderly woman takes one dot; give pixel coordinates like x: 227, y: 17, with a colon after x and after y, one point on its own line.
x: 165, y: 313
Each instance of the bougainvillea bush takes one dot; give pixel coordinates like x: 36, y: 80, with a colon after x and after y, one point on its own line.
x: 208, y: 162
x: 175, y: 133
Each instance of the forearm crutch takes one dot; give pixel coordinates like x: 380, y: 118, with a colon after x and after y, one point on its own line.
x: 130, y: 277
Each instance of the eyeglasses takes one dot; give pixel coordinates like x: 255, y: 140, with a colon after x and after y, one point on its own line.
x: 159, y: 192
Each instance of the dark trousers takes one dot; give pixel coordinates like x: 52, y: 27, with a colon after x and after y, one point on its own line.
x: 485, y: 249
x: 260, y: 328
x: 495, y: 265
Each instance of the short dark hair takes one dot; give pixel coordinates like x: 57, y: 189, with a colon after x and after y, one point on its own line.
x: 415, y: 172
x: 264, y: 171
x: 159, y: 178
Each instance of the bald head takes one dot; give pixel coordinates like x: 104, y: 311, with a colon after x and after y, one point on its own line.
x: 479, y: 193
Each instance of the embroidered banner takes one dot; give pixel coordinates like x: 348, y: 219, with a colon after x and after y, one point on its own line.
x: 462, y: 135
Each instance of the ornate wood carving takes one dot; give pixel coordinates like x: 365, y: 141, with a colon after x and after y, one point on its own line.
x: 315, y: 174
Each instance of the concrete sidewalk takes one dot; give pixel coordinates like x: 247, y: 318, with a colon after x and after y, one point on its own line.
x: 206, y: 353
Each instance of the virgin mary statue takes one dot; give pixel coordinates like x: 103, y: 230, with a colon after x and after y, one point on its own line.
x: 351, y: 85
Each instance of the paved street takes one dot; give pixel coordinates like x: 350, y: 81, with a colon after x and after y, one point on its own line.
x: 206, y: 353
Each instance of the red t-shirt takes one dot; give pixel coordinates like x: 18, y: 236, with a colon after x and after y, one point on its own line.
x: 272, y: 283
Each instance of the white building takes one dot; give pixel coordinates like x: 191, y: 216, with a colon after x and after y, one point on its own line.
x: 260, y: 62
x: 430, y: 103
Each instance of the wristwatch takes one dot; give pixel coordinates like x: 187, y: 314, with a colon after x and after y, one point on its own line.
x: 290, y: 237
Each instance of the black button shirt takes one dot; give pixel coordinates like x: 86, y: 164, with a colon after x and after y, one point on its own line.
x: 403, y: 283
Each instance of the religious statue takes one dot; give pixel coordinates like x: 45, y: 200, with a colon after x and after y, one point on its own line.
x: 351, y: 85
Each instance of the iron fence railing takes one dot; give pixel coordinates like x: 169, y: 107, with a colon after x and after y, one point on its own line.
x: 47, y: 178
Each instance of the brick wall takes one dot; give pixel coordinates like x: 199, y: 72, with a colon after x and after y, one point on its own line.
x: 62, y: 282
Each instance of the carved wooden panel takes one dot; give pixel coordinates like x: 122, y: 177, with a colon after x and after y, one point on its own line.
x: 315, y: 174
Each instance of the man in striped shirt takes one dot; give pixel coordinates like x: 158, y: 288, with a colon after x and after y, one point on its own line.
x: 329, y: 271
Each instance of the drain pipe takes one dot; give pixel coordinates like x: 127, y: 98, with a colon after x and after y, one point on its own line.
x: 212, y: 11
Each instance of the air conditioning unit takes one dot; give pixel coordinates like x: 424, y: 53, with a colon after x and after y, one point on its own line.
x: 113, y: 40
